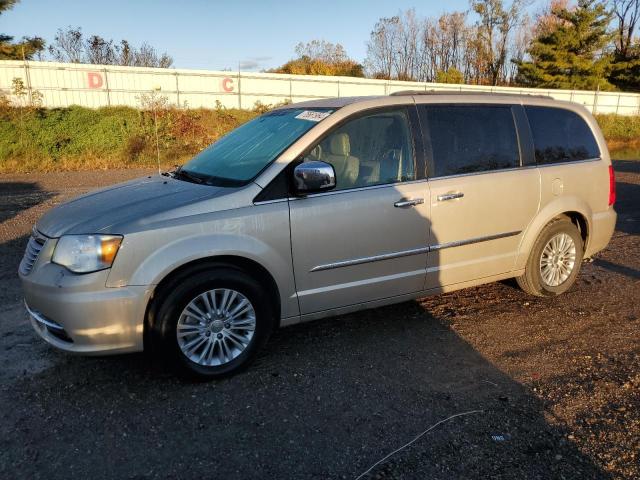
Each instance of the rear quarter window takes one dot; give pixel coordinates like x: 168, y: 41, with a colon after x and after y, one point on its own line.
x: 560, y: 136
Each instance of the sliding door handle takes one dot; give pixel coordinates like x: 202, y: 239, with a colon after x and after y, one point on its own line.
x: 450, y: 196
x: 409, y: 203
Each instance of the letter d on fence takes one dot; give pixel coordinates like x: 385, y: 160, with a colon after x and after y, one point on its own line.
x: 94, y: 80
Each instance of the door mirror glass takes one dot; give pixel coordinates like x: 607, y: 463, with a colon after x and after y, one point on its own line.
x: 313, y: 176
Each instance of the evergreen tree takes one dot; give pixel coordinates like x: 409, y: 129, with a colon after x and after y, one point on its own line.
x: 625, y: 71
x: 24, y: 49
x: 572, y: 54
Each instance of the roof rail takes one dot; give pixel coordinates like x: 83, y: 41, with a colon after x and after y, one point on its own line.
x: 458, y: 92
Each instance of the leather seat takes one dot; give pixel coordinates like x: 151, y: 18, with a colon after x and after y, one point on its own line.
x: 391, y: 166
x: 347, y: 167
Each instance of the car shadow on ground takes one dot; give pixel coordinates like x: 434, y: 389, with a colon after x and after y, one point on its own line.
x: 15, y: 198
x: 627, y: 195
x: 324, y: 400
x: 24, y: 195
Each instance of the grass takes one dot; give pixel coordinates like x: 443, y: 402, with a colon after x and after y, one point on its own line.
x: 79, y: 138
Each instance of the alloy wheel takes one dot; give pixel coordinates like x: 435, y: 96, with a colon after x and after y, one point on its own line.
x: 215, y: 327
x: 558, y: 259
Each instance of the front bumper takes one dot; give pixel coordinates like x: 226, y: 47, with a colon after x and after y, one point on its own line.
x: 78, y: 314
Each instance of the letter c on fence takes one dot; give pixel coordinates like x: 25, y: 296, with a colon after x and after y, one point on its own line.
x: 94, y: 80
x: 227, y: 84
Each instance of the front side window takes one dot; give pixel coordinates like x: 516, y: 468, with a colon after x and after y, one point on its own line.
x: 242, y: 154
x: 560, y: 135
x: 374, y: 149
x: 470, y: 138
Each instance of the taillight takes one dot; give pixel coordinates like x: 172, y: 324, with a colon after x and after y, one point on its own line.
x: 612, y: 186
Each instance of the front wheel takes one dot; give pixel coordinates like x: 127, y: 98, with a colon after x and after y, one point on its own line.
x: 554, y: 262
x: 213, y: 322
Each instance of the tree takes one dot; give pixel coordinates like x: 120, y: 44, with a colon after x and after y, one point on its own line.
x: 453, y: 75
x: 25, y: 49
x: 406, y: 58
x: 494, y: 27
x: 322, y: 50
x: 320, y: 57
x: 627, y: 13
x: 519, y: 44
x: 382, y: 47
x: 71, y: 46
x: 68, y: 45
x: 625, y: 71
x: 147, y: 56
x: 572, y: 54
x: 546, y: 20
x: 407, y: 47
x: 100, y: 51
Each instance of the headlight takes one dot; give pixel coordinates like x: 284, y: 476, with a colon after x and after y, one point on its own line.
x: 86, y: 253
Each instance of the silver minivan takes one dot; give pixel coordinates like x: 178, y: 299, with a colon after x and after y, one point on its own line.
x: 318, y: 209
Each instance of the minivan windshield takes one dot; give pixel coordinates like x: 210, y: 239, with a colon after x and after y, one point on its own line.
x: 242, y: 154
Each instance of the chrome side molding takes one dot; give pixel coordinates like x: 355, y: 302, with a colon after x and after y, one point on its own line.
x: 375, y: 258
x: 469, y: 241
x: 414, y: 251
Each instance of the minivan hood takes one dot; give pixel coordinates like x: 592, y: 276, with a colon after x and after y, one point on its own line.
x: 102, y: 210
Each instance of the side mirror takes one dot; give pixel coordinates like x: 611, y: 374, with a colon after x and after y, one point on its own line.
x: 314, y: 176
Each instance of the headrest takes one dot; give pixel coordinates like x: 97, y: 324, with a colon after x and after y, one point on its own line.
x: 339, y: 144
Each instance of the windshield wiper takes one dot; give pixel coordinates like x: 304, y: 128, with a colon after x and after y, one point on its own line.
x: 180, y: 173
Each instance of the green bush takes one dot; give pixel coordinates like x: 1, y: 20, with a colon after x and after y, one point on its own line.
x: 82, y: 138
x: 619, y: 129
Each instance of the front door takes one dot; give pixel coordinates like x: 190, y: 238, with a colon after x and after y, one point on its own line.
x: 481, y: 198
x: 367, y: 239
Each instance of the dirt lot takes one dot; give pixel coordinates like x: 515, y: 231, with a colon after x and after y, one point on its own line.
x: 557, y: 382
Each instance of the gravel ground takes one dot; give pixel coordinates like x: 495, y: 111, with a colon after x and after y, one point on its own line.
x: 553, y: 383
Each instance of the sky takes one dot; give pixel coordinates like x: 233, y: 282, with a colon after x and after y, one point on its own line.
x: 214, y: 34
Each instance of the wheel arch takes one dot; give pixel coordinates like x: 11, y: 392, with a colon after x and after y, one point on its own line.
x: 577, y: 211
x: 244, y: 264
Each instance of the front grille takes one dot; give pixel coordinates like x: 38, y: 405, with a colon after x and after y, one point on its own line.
x: 36, y: 242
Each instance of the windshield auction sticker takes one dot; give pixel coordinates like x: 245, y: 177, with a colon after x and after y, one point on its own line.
x: 312, y: 116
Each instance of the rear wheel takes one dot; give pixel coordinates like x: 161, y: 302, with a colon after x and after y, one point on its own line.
x: 213, y: 322
x: 554, y: 262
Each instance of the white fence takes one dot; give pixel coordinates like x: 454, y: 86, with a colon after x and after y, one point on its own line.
x: 64, y: 84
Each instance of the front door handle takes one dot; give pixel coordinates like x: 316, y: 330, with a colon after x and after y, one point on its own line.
x: 409, y: 203
x: 450, y: 196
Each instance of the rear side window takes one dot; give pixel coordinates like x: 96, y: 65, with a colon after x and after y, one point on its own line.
x: 470, y: 138
x: 560, y: 135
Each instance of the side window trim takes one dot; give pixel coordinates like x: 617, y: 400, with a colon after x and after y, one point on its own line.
x: 428, y: 149
x: 525, y: 137
x: 425, y: 135
x: 417, y: 140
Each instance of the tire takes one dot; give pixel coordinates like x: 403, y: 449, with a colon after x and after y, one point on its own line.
x: 181, y: 327
x: 550, y: 281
